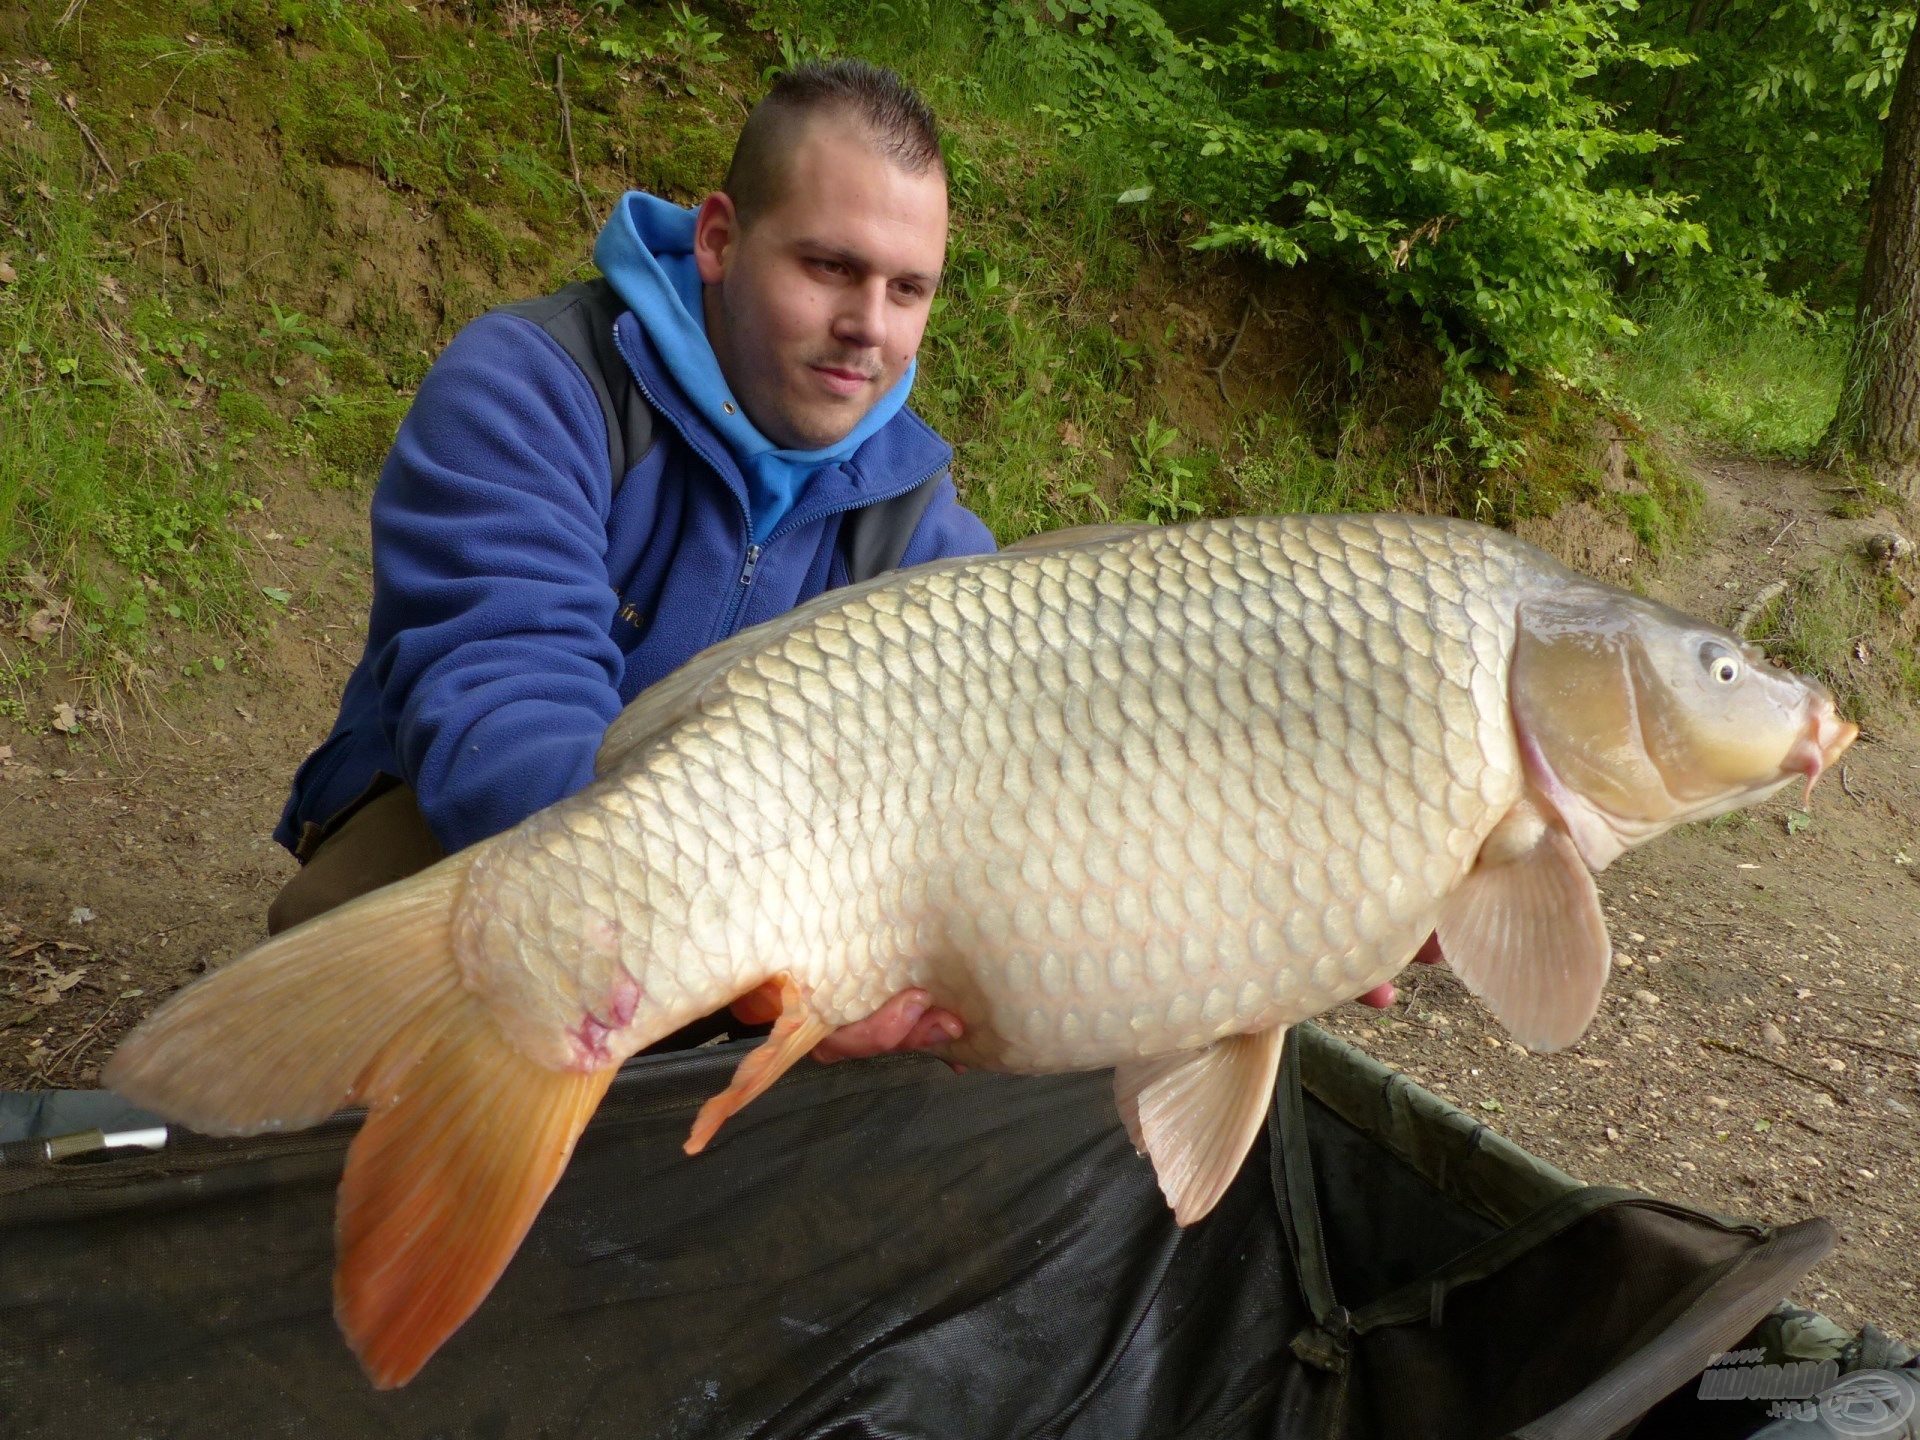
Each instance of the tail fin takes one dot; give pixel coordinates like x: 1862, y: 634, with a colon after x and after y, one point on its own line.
x: 281, y: 1038
x: 442, y: 1184
x: 465, y: 1137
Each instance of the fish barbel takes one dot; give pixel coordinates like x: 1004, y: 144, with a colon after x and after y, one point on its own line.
x: 1135, y: 797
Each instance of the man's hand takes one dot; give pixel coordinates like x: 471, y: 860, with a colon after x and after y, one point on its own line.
x: 1381, y: 996
x: 906, y: 1022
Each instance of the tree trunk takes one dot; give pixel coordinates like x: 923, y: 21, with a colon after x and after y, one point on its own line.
x: 1879, y: 420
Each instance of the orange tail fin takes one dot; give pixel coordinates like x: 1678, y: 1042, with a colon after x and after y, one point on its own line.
x: 441, y: 1186
x: 465, y: 1139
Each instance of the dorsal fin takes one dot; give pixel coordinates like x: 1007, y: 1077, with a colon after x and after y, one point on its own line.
x: 678, y: 695
x: 1048, y: 541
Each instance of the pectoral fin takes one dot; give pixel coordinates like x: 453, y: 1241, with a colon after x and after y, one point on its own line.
x: 796, y: 1032
x: 1525, y: 932
x: 1195, y: 1113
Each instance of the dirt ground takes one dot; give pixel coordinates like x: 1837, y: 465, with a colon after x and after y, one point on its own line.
x: 1758, y: 1051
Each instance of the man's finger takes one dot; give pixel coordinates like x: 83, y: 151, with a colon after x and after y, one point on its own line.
x: 1379, y: 997
x: 906, y: 1022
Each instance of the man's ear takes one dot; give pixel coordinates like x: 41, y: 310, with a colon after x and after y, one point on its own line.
x: 716, y: 230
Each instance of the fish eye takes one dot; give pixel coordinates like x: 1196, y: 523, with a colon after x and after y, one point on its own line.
x: 1720, y: 662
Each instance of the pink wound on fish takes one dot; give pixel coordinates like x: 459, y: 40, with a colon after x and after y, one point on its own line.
x: 589, y: 1037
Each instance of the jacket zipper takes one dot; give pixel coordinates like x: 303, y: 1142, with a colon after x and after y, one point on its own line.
x: 753, y: 551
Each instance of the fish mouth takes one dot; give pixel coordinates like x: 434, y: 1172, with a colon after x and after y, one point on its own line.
x: 1826, y: 739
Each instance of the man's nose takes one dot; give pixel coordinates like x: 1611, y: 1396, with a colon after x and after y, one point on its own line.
x: 862, y: 318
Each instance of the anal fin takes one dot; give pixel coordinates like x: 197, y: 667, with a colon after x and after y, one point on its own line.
x: 1195, y: 1114
x: 1525, y: 932
x: 795, y: 1032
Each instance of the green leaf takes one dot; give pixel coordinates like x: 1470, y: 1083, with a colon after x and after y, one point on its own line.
x: 1134, y: 196
x: 276, y: 594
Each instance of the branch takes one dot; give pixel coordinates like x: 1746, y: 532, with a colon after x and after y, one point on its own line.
x: 566, y: 129
x: 66, y: 103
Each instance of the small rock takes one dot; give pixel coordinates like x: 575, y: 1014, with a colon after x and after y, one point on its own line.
x: 1822, y: 1098
x: 1771, y: 1037
x: 1834, y: 1063
x: 1716, y: 1102
x: 81, y: 916
x: 1646, y: 997
x: 1613, y: 1135
x: 1888, y: 549
x: 1897, y: 1108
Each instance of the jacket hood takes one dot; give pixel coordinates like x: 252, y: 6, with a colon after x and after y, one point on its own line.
x: 646, y: 252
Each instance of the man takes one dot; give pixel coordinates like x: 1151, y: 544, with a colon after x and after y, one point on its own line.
x: 593, y: 487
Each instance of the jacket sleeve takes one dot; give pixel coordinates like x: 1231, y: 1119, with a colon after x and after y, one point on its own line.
x: 947, y: 528
x: 496, y: 671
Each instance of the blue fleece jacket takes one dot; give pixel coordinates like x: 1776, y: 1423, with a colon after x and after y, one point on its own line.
x: 520, y: 600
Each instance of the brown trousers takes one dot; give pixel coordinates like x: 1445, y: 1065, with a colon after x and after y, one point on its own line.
x: 382, y: 838
x: 379, y: 839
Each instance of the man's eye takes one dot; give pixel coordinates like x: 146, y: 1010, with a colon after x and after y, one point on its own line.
x: 829, y: 267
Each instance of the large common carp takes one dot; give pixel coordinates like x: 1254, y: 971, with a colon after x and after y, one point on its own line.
x: 1130, y: 797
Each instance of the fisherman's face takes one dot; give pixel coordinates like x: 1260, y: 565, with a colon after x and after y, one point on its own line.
x: 815, y: 310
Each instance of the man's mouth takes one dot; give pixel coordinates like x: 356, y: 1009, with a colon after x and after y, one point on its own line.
x: 840, y: 380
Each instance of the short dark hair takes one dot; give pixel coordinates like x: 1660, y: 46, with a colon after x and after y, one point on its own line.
x: 896, y: 120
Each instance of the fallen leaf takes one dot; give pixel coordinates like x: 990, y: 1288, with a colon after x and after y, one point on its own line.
x: 56, y: 986
x: 81, y: 916
x: 6, y: 753
x: 43, y: 624
x: 110, y: 287
x: 65, y: 720
x: 7, y: 273
x: 276, y: 594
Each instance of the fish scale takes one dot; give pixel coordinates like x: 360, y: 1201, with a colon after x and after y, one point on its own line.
x: 1240, y: 800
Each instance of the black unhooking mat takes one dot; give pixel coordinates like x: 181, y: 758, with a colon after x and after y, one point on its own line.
x: 887, y: 1250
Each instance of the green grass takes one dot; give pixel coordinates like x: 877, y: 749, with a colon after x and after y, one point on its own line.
x: 104, y: 478
x: 1757, y: 380
x: 1855, y: 629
